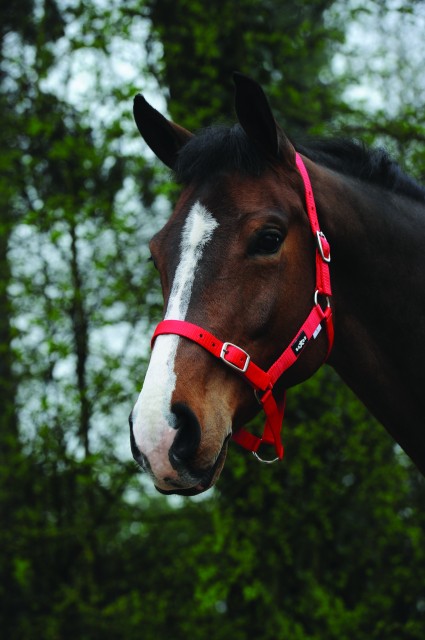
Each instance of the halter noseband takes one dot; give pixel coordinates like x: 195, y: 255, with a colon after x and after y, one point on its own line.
x: 235, y: 357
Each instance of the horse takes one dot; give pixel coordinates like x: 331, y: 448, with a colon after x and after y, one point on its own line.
x: 277, y: 258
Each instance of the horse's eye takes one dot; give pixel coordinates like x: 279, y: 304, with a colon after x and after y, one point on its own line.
x: 267, y: 242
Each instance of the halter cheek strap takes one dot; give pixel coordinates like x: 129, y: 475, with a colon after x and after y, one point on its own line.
x: 238, y: 359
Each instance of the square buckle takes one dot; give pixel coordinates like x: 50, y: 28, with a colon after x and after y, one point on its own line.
x: 325, y: 253
x: 240, y: 351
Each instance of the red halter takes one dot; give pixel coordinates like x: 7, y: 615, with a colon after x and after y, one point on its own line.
x: 235, y: 357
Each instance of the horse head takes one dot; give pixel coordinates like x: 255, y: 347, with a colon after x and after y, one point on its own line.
x: 236, y: 258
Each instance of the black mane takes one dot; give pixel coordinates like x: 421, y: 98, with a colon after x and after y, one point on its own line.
x: 355, y: 159
x: 224, y: 149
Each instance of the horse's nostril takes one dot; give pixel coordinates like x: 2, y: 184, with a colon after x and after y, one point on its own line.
x: 188, y: 435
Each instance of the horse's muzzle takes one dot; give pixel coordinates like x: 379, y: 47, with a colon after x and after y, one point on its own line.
x: 206, y: 478
x: 185, y: 476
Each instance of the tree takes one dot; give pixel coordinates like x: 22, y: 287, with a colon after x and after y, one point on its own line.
x: 319, y: 546
x: 206, y: 43
x: 66, y: 274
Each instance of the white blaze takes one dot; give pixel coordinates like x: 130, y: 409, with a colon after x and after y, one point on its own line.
x: 153, y: 421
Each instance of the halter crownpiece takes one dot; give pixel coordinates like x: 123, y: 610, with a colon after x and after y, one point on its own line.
x: 239, y: 360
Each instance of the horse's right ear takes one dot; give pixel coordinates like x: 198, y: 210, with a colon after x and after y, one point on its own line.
x: 163, y: 136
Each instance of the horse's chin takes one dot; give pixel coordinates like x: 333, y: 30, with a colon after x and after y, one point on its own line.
x: 206, y: 482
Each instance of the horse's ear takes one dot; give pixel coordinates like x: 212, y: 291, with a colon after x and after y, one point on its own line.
x: 163, y: 136
x: 257, y: 120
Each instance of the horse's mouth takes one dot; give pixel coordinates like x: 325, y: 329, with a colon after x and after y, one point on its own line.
x: 206, y: 481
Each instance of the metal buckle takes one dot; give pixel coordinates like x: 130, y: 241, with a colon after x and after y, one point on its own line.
x: 319, y: 236
x: 231, y: 364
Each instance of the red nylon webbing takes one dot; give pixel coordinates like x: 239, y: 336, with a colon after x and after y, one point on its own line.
x: 235, y: 357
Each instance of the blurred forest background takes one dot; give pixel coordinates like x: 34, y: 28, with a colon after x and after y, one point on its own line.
x: 329, y: 544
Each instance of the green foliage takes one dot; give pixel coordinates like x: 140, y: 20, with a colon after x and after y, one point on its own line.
x: 329, y: 543
x: 207, y: 42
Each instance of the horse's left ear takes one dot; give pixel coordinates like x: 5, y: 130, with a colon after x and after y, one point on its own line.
x: 164, y: 137
x: 257, y: 120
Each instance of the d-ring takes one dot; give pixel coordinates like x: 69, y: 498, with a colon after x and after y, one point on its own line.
x: 262, y: 459
x: 316, y: 298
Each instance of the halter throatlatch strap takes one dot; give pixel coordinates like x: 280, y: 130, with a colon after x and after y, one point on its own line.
x: 239, y: 360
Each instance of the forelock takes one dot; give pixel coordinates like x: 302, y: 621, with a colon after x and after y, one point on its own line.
x: 219, y: 149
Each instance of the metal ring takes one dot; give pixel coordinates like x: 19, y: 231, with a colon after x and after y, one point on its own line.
x: 257, y: 397
x: 254, y: 453
x: 316, y: 296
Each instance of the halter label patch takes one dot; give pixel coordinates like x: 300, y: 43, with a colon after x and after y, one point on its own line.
x: 298, y: 345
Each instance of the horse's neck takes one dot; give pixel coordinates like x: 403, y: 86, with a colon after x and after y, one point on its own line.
x: 378, y: 276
